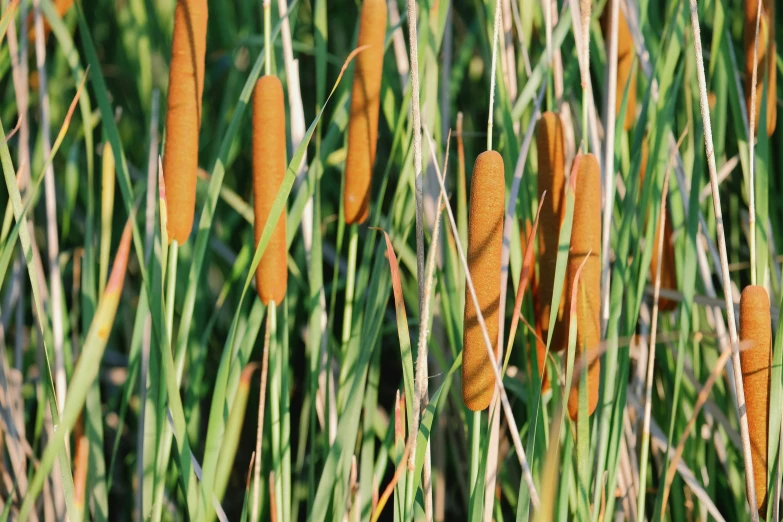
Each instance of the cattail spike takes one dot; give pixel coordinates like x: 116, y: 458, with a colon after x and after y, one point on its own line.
x: 365, y: 104
x: 551, y: 179
x: 668, y: 264
x: 756, y: 362
x: 586, y: 238
x: 485, y: 242
x: 625, y: 56
x: 183, y: 119
x: 269, y: 144
x: 765, y: 59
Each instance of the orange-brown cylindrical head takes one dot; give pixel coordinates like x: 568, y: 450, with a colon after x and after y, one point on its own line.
x: 551, y: 178
x: 183, y: 118
x: 586, y: 237
x: 756, y: 361
x: 485, y: 243
x: 268, y: 172
x: 668, y: 264
x: 765, y: 59
x: 625, y: 56
x: 365, y: 104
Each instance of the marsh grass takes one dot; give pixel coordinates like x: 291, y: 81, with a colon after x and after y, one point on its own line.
x: 363, y: 415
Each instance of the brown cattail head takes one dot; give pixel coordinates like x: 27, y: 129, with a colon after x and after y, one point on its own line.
x: 183, y: 119
x: 668, y: 264
x: 540, y: 345
x: 268, y: 172
x: 765, y: 59
x: 365, y: 104
x: 485, y: 242
x: 551, y: 179
x: 625, y: 56
x: 756, y: 361
x: 586, y: 238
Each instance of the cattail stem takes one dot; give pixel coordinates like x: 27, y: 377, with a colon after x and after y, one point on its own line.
x: 475, y: 458
x: 350, y: 287
x: 268, y: 37
x: 261, y: 408
x: 752, y: 144
x: 659, y: 239
x: 492, y: 74
x: 171, y: 286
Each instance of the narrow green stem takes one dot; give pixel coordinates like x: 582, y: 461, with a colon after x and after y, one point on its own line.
x: 752, y: 224
x: 350, y: 284
x: 584, y: 120
x: 171, y: 287
x: 275, y: 394
x: 475, y: 457
x: 268, y: 37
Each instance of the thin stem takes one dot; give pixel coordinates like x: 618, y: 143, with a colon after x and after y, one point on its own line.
x: 752, y: 181
x: 171, y: 287
x: 651, y: 348
x: 350, y: 284
x: 260, y: 427
x: 475, y: 456
x: 608, y: 164
x: 52, y: 239
x: 268, y: 37
x: 737, y: 365
x: 492, y: 75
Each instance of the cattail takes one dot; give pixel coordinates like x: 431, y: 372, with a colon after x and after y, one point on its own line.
x: 485, y: 242
x: 365, y: 104
x: 668, y: 264
x: 268, y: 172
x: 756, y: 361
x: 625, y: 56
x: 540, y: 346
x: 765, y: 59
x: 183, y: 119
x: 551, y: 179
x: 586, y: 237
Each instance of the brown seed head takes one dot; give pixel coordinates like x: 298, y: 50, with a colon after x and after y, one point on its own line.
x: 765, y: 60
x: 586, y: 237
x: 269, y: 166
x: 485, y: 242
x: 756, y: 361
x: 668, y: 264
x: 551, y: 179
x: 183, y: 118
x: 365, y: 104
